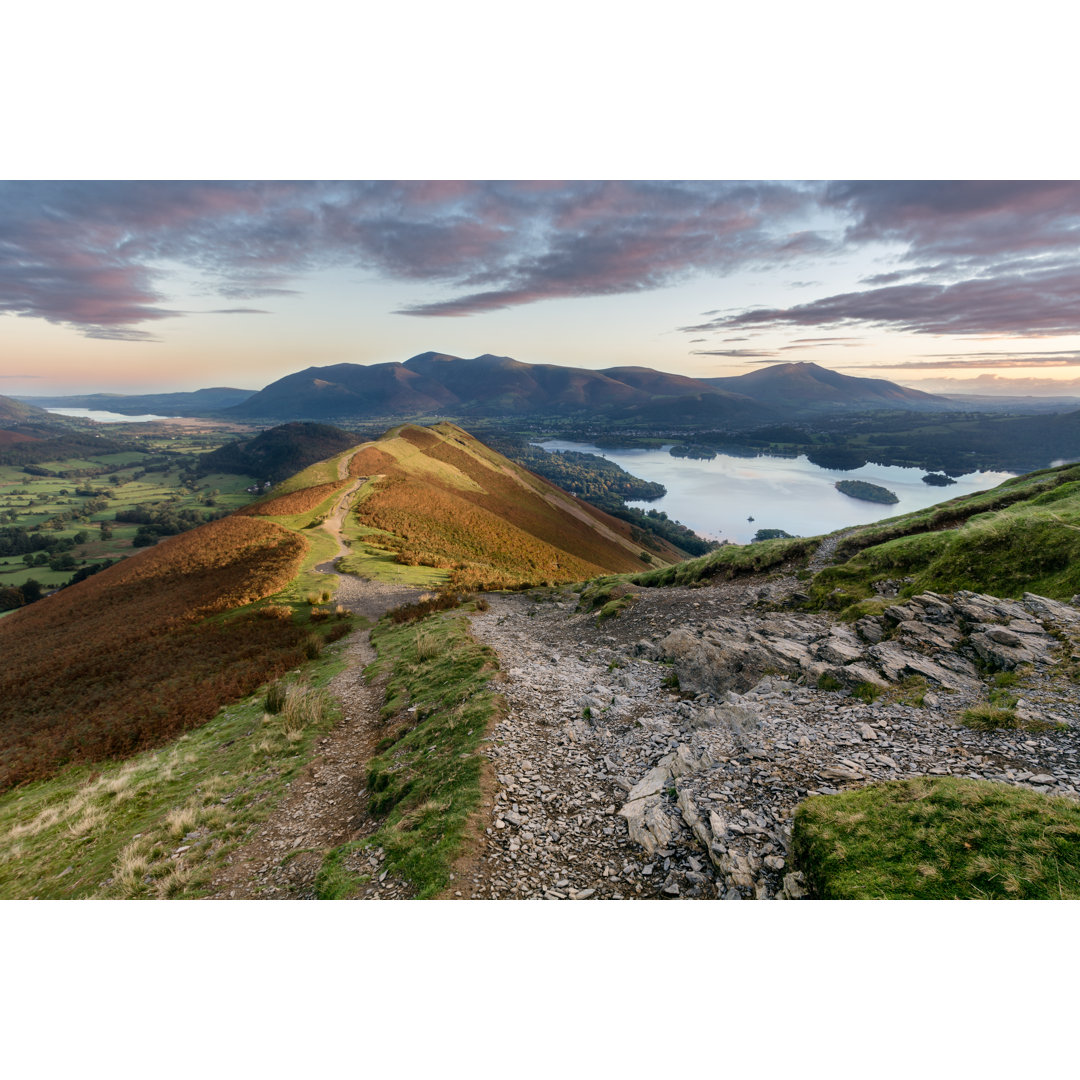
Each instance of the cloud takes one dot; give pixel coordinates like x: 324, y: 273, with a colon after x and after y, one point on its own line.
x: 1042, y: 302
x: 820, y: 340
x: 118, y: 333
x: 91, y: 255
x: 969, y: 257
x: 961, y: 219
x: 825, y: 343
x: 1062, y: 360
x: 615, y: 238
x: 695, y: 341
x: 998, y: 384
x: 966, y: 257
x: 741, y: 354
x: 239, y: 311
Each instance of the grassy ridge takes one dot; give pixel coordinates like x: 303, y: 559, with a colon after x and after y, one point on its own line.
x: 954, y: 512
x: 425, y: 777
x: 446, y: 501
x: 298, y: 501
x: 939, y: 838
x: 731, y: 561
x: 1023, y: 536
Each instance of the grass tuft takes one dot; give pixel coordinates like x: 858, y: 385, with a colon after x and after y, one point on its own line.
x: 937, y: 838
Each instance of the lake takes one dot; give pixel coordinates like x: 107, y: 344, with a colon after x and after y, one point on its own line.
x: 103, y: 417
x: 715, y: 498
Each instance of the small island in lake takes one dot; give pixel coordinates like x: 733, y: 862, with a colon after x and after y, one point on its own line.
x: 860, y: 489
x: 935, y: 479
x: 692, y: 450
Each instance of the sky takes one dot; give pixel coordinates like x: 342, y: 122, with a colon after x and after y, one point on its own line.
x: 137, y: 286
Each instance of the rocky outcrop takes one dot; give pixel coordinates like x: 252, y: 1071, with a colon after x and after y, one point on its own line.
x: 690, y: 795
x: 932, y: 636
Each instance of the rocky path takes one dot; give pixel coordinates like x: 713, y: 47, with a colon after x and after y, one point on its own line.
x: 611, y: 784
x: 826, y: 551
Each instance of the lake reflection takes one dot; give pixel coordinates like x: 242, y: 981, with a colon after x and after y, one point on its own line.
x: 714, y: 498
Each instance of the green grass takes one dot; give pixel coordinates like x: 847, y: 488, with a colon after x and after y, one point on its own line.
x: 425, y: 777
x: 112, y: 830
x: 322, y: 472
x: 952, y: 512
x: 1032, y: 545
x: 867, y: 692
x: 323, y: 548
x: 731, y: 561
x: 911, y: 690
x: 936, y: 839
x: 613, y: 607
x: 367, y: 560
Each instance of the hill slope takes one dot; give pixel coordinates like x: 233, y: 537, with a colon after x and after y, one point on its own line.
x: 134, y: 654
x: 807, y: 387
x: 18, y: 412
x: 439, y: 498
x: 279, y: 452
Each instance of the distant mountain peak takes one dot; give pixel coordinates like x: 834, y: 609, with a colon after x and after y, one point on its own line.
x: 802, y: 385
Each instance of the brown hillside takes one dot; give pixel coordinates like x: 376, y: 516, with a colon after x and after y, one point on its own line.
x: 294, y: 502
x: 8, y: 438
x: 128, y: 658
x: 454, y: 503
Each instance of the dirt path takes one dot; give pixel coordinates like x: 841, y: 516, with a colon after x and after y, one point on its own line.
x: 825, y: 554
x: 326, y: 804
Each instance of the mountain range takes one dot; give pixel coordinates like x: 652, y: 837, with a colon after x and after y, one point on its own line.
x: 440, y: 384
x: 435, y: 384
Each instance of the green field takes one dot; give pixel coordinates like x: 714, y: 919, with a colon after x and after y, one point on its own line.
x: 50, y: 507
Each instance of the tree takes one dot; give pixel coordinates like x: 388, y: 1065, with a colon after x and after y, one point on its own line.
x: 31, y: 591
x: 11, y: 599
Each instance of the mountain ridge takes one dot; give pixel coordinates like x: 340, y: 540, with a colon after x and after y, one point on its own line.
x: 436, y: 383
x: 807, y: 386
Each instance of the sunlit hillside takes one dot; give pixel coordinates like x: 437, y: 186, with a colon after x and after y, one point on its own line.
x: 445, y: 500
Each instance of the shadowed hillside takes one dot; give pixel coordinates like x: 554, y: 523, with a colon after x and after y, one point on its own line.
x: 280, y: 452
